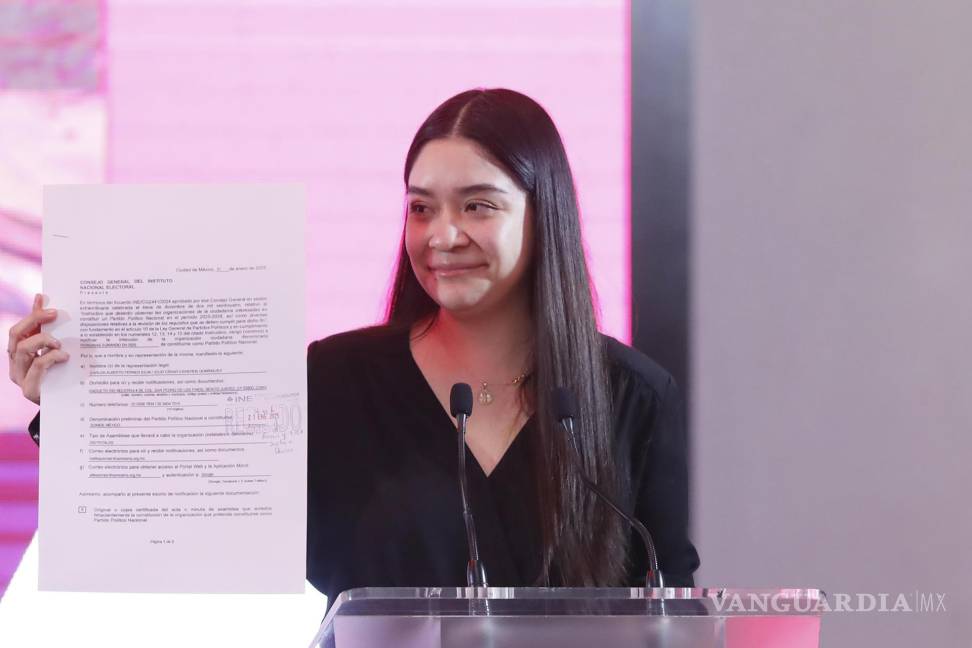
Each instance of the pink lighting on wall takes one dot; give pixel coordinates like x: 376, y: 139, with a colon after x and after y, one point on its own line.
x: 52, y: 130
x: 329, y: 94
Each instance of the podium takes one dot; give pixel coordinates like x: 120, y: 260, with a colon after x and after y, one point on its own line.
x: 529, y: 617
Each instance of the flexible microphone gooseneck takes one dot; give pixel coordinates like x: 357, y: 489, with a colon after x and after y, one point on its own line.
x: 460, y: 406
x: 565, y: 410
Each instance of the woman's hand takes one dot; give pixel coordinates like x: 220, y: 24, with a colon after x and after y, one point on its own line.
x: 26, y: 367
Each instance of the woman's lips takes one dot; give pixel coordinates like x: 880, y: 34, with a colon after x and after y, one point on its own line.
x: 454, y: 270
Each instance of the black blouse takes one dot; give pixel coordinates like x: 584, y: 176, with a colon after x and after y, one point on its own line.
x: 383, y: 503
x: 383, y: 496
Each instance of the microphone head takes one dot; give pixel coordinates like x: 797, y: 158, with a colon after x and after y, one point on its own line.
x: 564, y: 404
x: 460, y: 400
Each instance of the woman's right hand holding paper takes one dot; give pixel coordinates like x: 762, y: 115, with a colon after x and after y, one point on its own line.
x: 31, y: 352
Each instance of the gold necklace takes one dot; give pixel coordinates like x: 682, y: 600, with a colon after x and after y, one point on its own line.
x: 485, y: 397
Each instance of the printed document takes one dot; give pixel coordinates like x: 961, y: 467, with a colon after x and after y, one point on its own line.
x: 173, y: 441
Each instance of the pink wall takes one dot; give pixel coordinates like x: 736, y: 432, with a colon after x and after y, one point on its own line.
x: 330, y: 94
x: 326, y: 93
x: 52, y: 115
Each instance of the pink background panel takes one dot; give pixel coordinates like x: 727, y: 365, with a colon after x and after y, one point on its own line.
x: 329, y: 94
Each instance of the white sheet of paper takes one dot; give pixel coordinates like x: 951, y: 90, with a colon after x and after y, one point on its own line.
x: 108, y: 620
x: 173, y: 444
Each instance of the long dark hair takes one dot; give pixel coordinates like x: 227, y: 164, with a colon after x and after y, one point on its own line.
x: 584, y: 544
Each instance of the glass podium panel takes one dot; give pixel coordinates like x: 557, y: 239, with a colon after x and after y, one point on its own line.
x: 501, y: 617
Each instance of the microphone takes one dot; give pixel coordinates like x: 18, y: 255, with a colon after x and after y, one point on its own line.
x: 460, y: 406
x: 565, y: 410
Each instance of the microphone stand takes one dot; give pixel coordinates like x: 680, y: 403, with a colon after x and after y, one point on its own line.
x: 654, y: 577
x: 565, y: 408
x: 475, y: 571
x: 460, y: 406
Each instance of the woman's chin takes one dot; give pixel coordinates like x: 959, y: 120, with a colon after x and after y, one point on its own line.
x: 459, y: 301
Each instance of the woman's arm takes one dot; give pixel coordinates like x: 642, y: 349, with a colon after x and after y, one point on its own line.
x: 34, y: 429
x: 661, y: 488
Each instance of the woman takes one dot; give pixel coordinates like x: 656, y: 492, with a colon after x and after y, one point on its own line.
x: 492, y: 290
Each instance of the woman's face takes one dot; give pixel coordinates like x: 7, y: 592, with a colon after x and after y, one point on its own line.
x: 468, y: 227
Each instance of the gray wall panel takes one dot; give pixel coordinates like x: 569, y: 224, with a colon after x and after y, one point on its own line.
x: 831, y: 274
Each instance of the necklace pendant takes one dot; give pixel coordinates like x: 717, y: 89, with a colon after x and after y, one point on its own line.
x: 485, y: 398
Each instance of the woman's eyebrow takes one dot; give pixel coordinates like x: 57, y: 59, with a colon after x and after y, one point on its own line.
x: 462, y: 191
x: 476, y: 188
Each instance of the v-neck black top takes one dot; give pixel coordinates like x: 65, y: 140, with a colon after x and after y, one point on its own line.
x: 383, y: 497
x: 383, y: 503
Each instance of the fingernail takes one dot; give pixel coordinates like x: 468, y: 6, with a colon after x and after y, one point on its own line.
x: 50, y: 311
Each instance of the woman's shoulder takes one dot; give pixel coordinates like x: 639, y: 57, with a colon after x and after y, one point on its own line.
x: 630, y: 369
x: 647, y: 405
x: 357, y: 344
